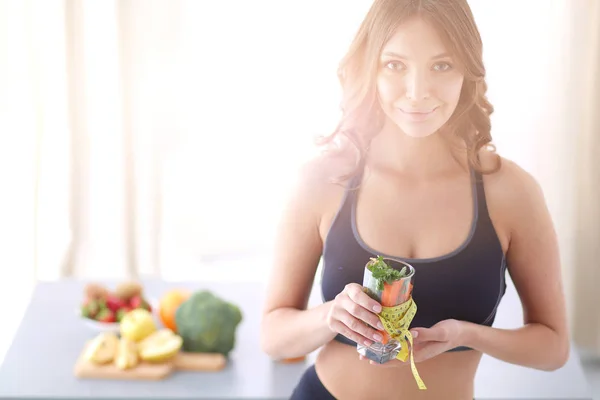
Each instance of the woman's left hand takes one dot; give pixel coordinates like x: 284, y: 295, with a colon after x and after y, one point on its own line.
x: 441, y: 337
x: 430, y: 342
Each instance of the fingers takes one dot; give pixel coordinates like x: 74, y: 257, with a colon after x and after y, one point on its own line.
x: 425, y: 351
x: 361, y: 306
x: 443, y: 331
x: 351, y: 334
x: 353, y: 316
x: 356, y: 293
x: 361, y: 313
x: 433, y: 334
x: 353, y: 328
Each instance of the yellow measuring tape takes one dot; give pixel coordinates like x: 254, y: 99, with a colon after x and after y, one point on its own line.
x: 396, y: 321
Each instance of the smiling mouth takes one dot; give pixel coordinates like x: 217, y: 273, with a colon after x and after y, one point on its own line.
x: 418, y: 115
x: 418, y: 112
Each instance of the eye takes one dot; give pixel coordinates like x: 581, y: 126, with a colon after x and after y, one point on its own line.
x: 442, y: 67
x: 394, y: 65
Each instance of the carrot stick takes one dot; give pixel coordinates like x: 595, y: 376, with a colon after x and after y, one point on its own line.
x: 386, y: 337
x: 390, y: 294
x: 389, y: 298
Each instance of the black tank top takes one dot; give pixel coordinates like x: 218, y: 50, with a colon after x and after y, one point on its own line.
x: 466, y: 284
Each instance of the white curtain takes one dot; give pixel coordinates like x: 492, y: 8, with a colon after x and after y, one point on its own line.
x: 585, y: 126
x: 156, y: 137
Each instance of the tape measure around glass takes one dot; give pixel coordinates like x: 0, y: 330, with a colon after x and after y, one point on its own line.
x: 396, y: 321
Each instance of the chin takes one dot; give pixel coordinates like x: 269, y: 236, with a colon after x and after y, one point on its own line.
x: 418, y: 131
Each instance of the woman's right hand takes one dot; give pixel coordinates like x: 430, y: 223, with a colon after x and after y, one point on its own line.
x: 350, y: 310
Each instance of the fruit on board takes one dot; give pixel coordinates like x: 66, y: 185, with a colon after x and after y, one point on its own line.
x: 102, y: 349
x: 160, y: 346
x: 168, y: 305
x: 127, y: 354
x: 137, y: 325
x: 207, y: 323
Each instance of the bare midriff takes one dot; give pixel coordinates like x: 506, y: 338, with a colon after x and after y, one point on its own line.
x: 449, y: 376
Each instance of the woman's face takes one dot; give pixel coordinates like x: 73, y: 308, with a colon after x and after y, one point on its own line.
x: 418, y: 82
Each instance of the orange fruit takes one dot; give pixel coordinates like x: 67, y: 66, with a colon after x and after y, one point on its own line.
x: 168, y: 305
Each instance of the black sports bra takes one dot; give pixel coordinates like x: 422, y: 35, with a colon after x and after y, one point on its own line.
x: 466, y: 284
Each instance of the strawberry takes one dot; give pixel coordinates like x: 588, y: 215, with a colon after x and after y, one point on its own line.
x: 114, y: 303
x: 106, y: 315
x: 139, y: 302
x: 136, y: 302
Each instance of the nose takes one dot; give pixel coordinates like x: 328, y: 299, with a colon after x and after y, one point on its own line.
x: 417, y: 85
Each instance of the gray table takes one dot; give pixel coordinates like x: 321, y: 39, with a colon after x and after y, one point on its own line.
x: 39, y: 363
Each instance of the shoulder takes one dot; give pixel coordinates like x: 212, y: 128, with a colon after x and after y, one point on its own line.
x: 514, y: 195
x: 323, y: 172
x: 320, y: 180
x: 509, y: 178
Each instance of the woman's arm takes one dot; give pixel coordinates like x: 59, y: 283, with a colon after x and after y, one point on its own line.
x: 294, y: 332
x: 535, y: 345
x: 534, y: 265
x: 288, y: 328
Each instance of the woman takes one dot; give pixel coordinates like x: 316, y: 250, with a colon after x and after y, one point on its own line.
x: 410, y: 175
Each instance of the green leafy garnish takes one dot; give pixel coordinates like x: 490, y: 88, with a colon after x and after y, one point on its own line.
x: 383, y: 273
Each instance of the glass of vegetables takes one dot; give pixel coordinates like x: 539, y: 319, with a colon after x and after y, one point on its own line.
x: 390, y: 282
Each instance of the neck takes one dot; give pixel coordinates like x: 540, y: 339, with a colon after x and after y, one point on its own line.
x: 419, y: 158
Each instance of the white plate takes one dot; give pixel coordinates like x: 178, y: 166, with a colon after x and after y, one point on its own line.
x: 100, y: 326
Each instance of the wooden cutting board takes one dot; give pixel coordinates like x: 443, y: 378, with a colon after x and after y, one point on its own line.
x: 201, y: 362
x: 143, y: 371
x: 207, y: 362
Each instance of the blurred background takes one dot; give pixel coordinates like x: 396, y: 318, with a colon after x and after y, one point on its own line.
x: 157, y: 138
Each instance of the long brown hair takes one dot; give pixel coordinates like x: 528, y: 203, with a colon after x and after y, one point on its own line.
x: 361, y: 114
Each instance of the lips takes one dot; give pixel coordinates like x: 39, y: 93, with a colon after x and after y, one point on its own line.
x: 417, y: 115
x: 418, y: 112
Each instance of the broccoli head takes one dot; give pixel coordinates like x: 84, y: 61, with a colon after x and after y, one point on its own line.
x: 207, y: 323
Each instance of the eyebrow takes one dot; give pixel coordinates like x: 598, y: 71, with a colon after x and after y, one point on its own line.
x: 392, y: 54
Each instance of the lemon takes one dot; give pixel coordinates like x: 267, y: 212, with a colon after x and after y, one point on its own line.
x: 102, y: 348
x: 160, y: 346
x: 155, y: 338
x: 137, y: 325
x: 127, y: 354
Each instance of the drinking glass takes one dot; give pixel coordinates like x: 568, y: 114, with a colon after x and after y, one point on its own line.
x: 390, y: 295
